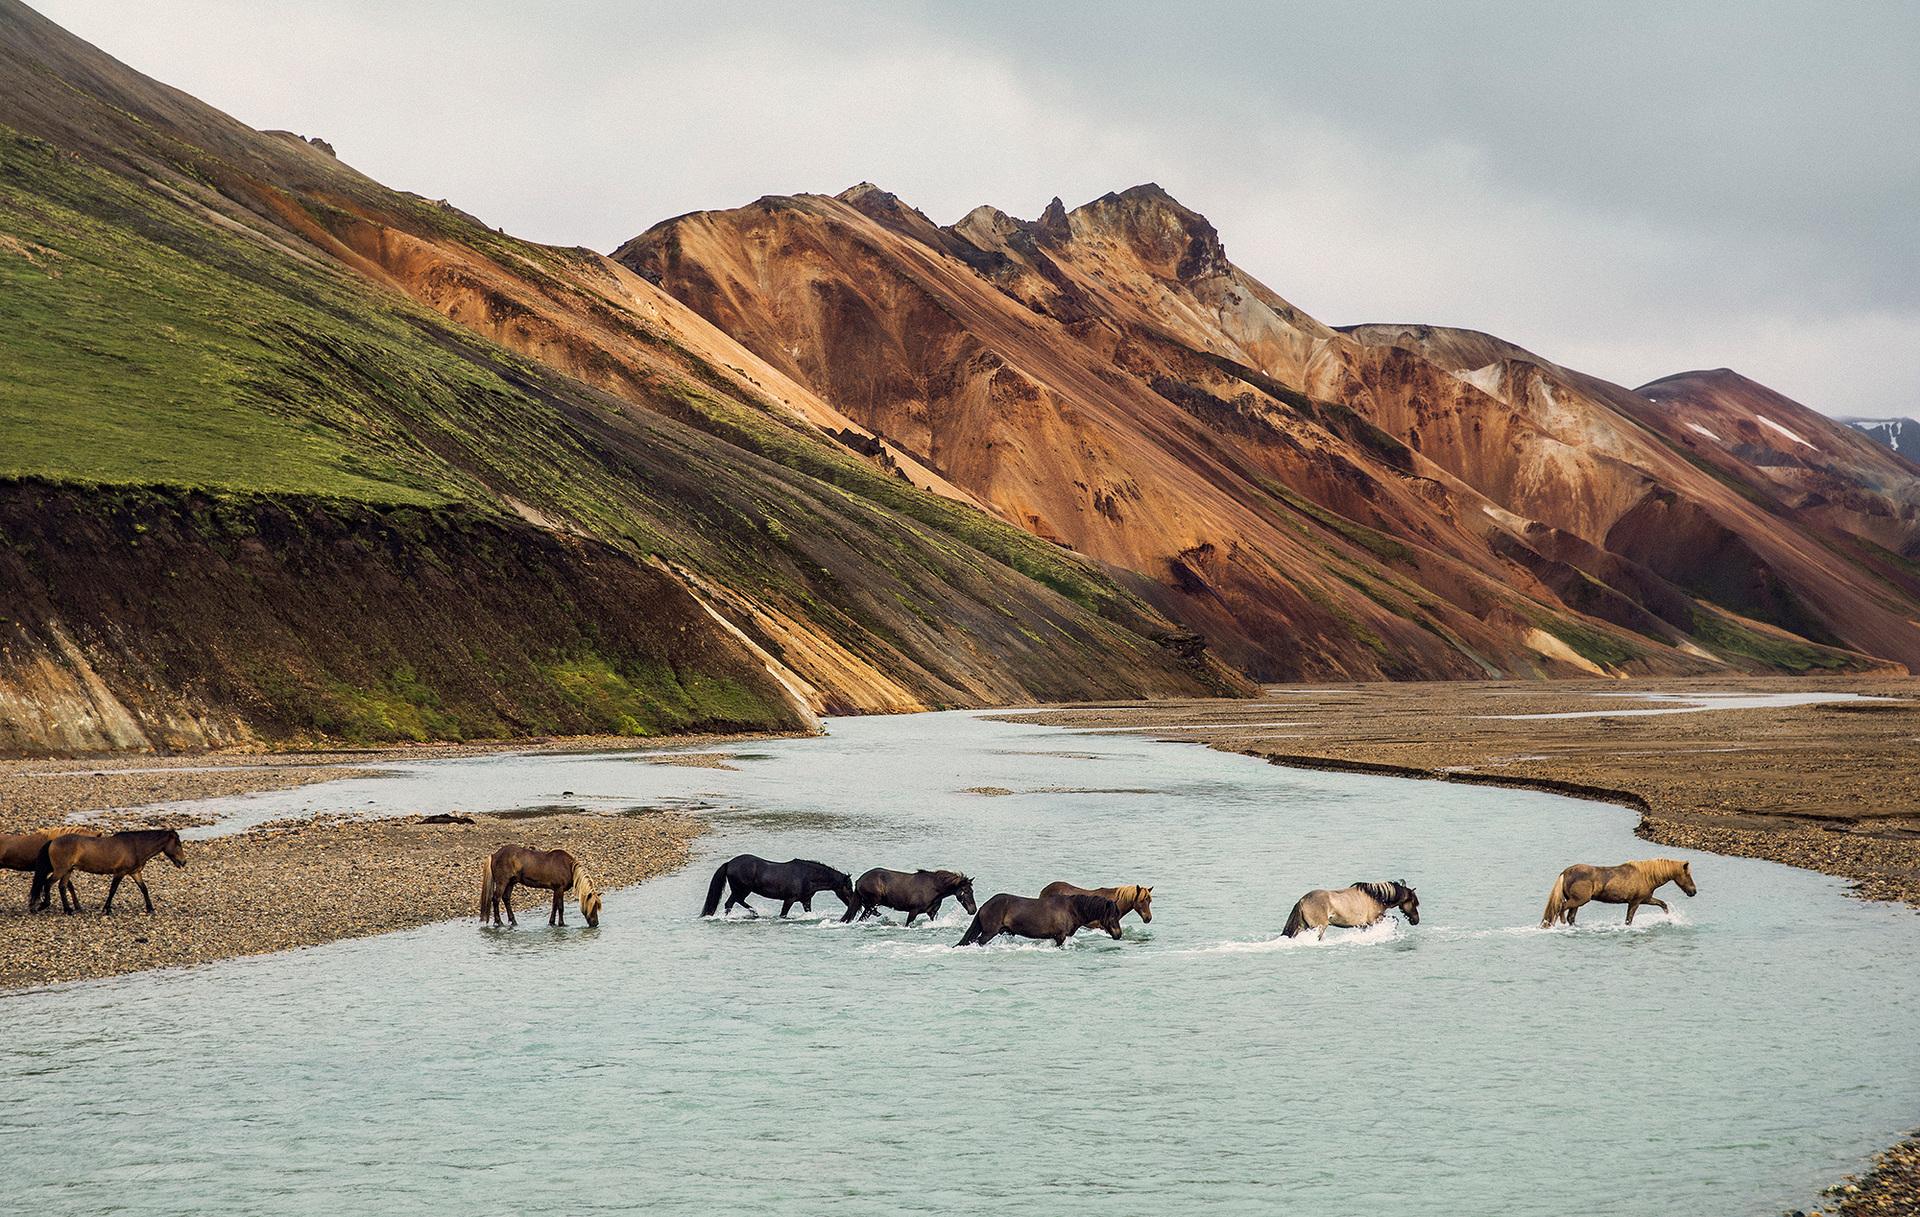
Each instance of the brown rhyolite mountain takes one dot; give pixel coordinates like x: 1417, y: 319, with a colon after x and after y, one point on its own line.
x: 814, y: 454
x: 1381, y: 500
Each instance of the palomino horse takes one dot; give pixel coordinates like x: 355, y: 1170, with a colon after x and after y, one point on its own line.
x: 792, y: 883
x: 28, y: 851
x: 917, y: 895
x: 1354, y: 907
x: 118, y: 854
x: 1055, y: 917
x: 1131, y: 897
x: 555, y: 869
x: 1630, y: 883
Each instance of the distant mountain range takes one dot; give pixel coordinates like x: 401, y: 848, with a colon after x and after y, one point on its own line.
x: 1900, y: 434
x: 288, y: 455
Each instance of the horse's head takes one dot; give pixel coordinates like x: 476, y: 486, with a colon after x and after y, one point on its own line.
x: 172, y: 849
x: 1143, y: 903
x: 1410, y: 904
x: 1685, y: 879
x: 964, y: 890
x: 590, y: 908
x: 843, y: 888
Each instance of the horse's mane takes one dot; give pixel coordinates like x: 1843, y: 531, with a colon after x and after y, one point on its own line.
x: 144, y: 835
x: 1390, y: 893
x: 822, y: 867
x: 1662, y: 869
x: 582, y: 884
x: 1099, y: 906
x: 1127, y: 896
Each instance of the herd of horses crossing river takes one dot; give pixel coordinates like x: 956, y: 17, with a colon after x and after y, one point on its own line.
x: 1061, y: 910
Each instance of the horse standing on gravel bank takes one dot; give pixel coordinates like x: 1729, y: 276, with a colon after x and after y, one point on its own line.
x: 1055, y: 917
x: 1131, y: 897
x: 554, y: 869
x: 27, y: 851
x: 919, y: 894
x: 795, y: 882
x: 118, y: 854
x: 1630, y: 883
x: 1355, y: 907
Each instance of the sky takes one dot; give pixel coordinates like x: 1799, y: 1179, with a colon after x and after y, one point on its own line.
x: 1629, y: 188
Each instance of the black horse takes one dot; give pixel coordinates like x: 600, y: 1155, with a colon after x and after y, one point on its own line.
x: 792, y: 883
x: 917, y: 895
x: 1055, y: 917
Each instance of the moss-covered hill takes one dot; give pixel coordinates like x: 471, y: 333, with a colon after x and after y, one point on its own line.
x: 287, y: 454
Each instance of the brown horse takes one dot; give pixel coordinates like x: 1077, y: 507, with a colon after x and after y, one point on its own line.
x: 554, y: 869
x: 1055, y: 917
x: 919, y: 894
x: 118, y: 854
x: 1630, y: 883
x: 1131, y: 897
x: 28, y: 851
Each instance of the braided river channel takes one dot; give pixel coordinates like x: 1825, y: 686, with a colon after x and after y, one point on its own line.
x: 1732, y: 1058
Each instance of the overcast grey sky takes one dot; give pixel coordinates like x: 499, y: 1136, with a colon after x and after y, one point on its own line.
x: 1630, y: 188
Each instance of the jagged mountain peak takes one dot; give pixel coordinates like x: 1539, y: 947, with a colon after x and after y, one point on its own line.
x: 1172, y: 238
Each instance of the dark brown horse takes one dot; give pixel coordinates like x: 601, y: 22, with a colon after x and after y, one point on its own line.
x: 1131, y: 897
x: 1055, y: 917
x: 27, y: 851
x: 118, y: 854
x: 554, y: 869
x: 794, y: 882
x: 919, y: 894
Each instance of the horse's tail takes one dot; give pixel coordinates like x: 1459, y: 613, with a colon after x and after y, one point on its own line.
x: 1297, y: 919
x: 486, y: 886
x: 1556, y: 901
x: 713, y: 891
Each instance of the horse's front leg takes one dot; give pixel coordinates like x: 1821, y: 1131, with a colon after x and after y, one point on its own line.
x: 506, y: 901
x: 111, y: 889
x: 1660, y: 904
x: 806, y: 904
x: 1633, y: 906
x: 786, y: 907
x: 559, y: 914
x: 935, y: 910
x: 144, y: 894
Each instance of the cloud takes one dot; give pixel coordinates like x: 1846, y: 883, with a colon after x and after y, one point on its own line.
x: 1633, y: 189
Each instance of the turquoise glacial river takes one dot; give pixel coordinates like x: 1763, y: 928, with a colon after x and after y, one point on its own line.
x: 1732, y: 1059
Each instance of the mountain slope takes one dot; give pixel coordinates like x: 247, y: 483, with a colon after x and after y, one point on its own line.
x: 1390, y: 501
x: 191, y: 308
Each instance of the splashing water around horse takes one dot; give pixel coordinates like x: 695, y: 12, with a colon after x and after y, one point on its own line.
x: 1055, y: 917
x: 1630, y: 883
x: 553, y: 869
x: 1354, y: 907
x: 1131, y: 897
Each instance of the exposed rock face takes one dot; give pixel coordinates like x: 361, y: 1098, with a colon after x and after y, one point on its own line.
x: 1383, y: 501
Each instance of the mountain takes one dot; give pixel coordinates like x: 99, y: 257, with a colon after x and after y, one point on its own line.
x: 285, y: 454
x: 1900, y: 434
x: 1379, y: 501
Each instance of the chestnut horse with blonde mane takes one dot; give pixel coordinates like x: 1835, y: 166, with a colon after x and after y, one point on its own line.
x: 1630, y: 883
x: 1131, y: 897
x: 27, y: 851
x: 554, y: 869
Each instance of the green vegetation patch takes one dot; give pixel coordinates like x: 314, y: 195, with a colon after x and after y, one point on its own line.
x: 1726, y: 637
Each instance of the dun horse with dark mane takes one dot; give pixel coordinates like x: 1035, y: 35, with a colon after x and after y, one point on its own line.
x: 118, y: 854
x: 1353, y: 907
x: 1630, y: 883
x: 554, y: 869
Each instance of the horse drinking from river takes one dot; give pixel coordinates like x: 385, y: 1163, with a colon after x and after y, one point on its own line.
x: 1630, y: 883
x: 919, y: 894
x: 1055, y: 917
x: 1355, y: 907
x: 1131, y: 897
x: 553, y: 869
x: 118, y: 854
x: 794, y: 882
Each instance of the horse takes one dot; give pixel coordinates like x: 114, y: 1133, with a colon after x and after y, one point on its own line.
x: 1055, y: 917
x: 917, y: 895
x: 1630, y: 883
x: 555, y: 869
x: 27, y: 851
x: 118, y: 854
x: 1131, y: 897
x: 792, y: 883
x: 1355, y: 907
